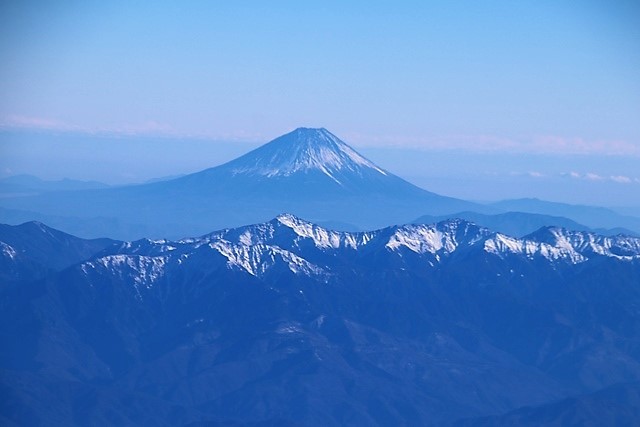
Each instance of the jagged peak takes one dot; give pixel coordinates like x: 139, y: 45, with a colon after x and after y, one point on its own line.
x: 289, y: 219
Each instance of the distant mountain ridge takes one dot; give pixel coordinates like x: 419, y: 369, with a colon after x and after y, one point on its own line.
x: 30, y: 184
x: 592, y: 216
x: 520, y: 224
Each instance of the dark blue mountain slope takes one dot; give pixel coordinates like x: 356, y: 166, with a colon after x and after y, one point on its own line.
x: 288, y: 323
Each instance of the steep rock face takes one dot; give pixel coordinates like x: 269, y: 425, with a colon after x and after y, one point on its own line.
x: 287, y: 323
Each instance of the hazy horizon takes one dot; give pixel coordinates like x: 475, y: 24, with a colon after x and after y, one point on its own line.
x: 477, y: 101
x: 478, y: 176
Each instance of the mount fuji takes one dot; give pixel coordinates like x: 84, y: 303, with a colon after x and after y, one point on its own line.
x: 308, y: 172
x: 306, y: 151
x: 306, y: 162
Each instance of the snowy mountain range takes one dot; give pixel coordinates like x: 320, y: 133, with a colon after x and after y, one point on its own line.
x: 289, y: 323
x: 307, y: 249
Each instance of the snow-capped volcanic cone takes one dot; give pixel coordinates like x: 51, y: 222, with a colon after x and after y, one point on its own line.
x: 302, y: 151
x: 308, y: 172
x: 309, y: 162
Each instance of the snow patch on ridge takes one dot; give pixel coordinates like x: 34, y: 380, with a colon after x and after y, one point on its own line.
x: 322, y: 237
x: 621, y: 247
x: 8, y: 251
x: 444, y: 237
x: 145, y: 270
x: 422, y: 240
x: 257, y: 259
x: 502, y: 244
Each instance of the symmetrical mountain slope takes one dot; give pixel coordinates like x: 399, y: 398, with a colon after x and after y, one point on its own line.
x: 306, y: 162
x: 309, y: 172
x: 288, y: 323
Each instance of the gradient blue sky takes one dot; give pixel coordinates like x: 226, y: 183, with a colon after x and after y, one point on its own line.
x: 489, y: 99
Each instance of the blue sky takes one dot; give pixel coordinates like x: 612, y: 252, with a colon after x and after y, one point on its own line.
x: 544, y: 94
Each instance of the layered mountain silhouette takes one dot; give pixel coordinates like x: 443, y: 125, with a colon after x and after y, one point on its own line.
x: 28, y: 184
x: 309, y: 172
x: 598, y: 218
x: 289, y: 323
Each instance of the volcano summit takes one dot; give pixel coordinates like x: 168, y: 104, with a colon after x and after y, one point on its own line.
x: 302, y: 151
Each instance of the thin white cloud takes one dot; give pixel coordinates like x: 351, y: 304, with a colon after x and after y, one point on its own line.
x: 145, y: 128
x: 568, y: 145
x: 591, y: 176
x: 477, y: 143
x: 621, y: 179
x: 44, y: 123
x: 148, y: 127
x: 555, y: 145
